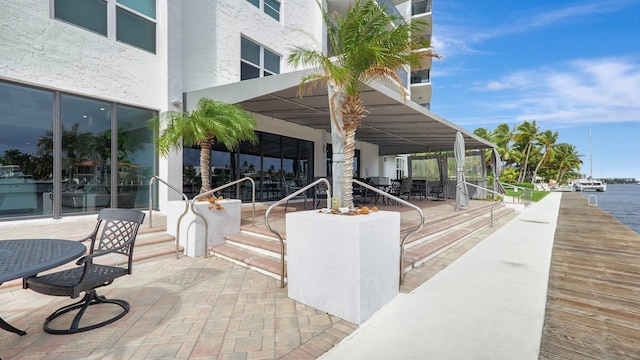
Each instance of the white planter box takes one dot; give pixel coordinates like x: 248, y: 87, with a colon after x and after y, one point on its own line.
x: 348, y: 266
x: 221, y: 223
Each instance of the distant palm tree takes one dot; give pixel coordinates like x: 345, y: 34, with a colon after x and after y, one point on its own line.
x: 526, y: 135
x: 546, y: 140
x: 211, y: 122
x: 367, y: 44
x: 566, y: 160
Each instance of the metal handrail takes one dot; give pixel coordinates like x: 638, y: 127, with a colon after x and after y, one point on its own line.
x: 186, y: 208
x: 500, y: 196
x: 209, y: 193
x: 527, y: 194
x: 287, y: 198
x: 410, y: 231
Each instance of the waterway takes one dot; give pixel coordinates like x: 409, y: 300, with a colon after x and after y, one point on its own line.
x: 621, y: 201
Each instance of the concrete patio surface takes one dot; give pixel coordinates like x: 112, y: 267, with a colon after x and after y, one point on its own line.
x: 196, y: 308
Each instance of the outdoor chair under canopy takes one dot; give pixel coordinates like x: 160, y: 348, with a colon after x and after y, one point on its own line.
x: 115, y: 233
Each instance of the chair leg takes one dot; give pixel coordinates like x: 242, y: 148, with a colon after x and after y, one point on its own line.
x: 90, y: 298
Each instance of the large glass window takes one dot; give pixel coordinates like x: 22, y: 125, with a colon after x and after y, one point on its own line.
x: 26, y: 150
x: 270, y: 161
x: 89, y: 14
x: 62, y: 163
x: 86, y: 154
x: 256, y: 61
x: 136, y: 156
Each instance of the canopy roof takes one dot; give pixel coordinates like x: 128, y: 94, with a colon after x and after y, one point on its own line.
x: 396, y: 126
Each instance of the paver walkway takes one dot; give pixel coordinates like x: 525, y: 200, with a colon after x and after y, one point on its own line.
x: 190, y: 308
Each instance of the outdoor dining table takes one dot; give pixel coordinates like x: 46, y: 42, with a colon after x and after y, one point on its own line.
x: 28, y: 257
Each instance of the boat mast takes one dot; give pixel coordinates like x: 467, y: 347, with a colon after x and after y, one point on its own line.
x: 590, y: 158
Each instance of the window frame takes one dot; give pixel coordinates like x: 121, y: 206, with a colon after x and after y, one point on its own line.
x: 263, y: 71
x: 112, y: 7
x: 268, y: 8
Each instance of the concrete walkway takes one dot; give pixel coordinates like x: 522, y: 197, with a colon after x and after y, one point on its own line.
x: 489, y: 304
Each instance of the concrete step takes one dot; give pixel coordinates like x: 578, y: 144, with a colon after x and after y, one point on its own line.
x: 428, y: 247
x: 251, y: 259
x: 258, y: 249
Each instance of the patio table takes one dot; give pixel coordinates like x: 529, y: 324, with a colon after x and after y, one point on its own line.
x: 28, y: 257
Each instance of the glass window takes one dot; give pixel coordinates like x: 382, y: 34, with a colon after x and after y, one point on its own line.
x: 136, y: 156
x: 86, y: 154
x: 256, y: 61
x: 272, y: 8
x: 89, y: 14
x: 267, y: 162
x: 145, y: 7
x: 26, y: 151
x: 271, y: 62
x: 400, y: 168
x: 135, y: 30
x: 249, y: 51
x: 255, y: 3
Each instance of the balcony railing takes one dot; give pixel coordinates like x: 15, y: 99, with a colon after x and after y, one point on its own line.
x: 421, y: 7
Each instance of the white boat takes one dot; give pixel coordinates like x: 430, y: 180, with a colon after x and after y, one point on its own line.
x: 589, y: 185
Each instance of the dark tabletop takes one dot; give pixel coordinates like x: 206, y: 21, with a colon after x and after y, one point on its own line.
x: 22, y: 258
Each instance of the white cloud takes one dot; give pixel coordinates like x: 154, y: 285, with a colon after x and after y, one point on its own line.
x: 580, y: 91
x: 457, y: 35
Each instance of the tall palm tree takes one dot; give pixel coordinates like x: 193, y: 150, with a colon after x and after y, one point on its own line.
x: 367, y: 44
x: 526, y: 135
x: 502, y: 137
x: 566, y: 160
x: 546, y: 140
x: 210, y: 123
x: 484, y: 133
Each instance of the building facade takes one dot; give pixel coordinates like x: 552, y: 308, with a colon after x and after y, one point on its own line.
x: 79, y: 80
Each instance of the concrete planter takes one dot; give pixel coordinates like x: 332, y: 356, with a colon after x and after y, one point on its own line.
x: 345, y: 265
x: 221, y: 223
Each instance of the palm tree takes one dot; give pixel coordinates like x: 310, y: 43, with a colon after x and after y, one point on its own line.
x: 566, y: 160
x: 484, y: 133
x: 527, y: 133
x: 211, y: 122
x: 367, y: 45
x: 547, y: 139
x: 502, y: 137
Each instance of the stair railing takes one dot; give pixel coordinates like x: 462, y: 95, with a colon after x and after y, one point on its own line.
x: 285, y: 199
x: 526, y: 196
x: 410, y: 231
x: 155, y: 178
x: 497, y: 194
x: 210, y: 193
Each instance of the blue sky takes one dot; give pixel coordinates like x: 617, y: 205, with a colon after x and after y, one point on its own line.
x: 573, y: 66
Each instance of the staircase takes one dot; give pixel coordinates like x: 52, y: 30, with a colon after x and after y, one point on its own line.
x: 258, y: 249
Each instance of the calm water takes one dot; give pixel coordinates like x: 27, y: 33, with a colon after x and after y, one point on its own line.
x: 622, y: 202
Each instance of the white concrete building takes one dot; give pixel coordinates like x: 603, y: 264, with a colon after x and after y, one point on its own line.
x: 80, y: 78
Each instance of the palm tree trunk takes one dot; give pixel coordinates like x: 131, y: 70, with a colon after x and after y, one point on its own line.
x: 205, y: 161
x: 336, y: 97
x: 523, y: 171
x: 349, y: 152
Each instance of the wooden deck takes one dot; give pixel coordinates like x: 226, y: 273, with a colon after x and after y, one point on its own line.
x: 593, y: 301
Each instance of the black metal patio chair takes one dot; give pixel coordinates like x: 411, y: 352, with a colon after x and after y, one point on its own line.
x: 114, y: 233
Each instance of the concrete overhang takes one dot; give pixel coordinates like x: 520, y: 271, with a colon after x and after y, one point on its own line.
x: 395, y: 125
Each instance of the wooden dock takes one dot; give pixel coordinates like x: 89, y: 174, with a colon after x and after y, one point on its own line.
x: 593, y: 301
